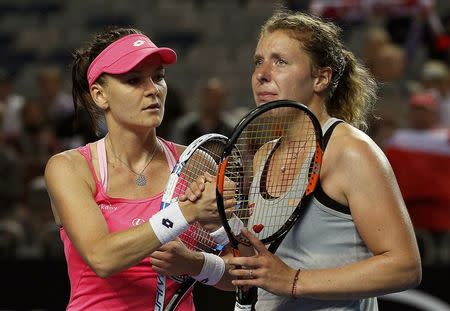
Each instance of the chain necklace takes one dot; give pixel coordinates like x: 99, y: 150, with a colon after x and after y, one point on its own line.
x: 293, y: 156
x: 141, y: 180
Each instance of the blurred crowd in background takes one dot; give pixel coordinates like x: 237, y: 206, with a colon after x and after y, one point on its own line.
x: 405, y: 43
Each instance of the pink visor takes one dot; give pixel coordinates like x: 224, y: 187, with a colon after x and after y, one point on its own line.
x: 124, y: 54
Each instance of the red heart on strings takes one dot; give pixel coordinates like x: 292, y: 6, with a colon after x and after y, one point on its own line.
x: 258, y: 228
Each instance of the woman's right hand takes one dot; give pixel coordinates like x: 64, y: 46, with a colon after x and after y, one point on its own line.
x: 199, y: 203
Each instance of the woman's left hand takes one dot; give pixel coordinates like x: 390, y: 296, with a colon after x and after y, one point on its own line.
x: 174, y: 258
x: 264, y: 270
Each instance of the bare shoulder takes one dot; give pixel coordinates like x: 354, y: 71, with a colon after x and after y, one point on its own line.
x: 352, y: 161
x: 351, y: 147
x: 66, y: 160
x: 67, y: 165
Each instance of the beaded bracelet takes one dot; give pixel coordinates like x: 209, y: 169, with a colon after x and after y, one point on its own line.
x: 294, y: 284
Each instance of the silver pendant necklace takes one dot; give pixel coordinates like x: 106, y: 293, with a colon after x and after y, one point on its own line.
x: 293, y: 156
x: 140, y: 180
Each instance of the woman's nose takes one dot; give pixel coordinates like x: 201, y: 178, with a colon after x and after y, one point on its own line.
x: 151, y: 87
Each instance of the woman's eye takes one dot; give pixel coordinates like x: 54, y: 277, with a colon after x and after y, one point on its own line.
x: 159, y: 77
x: 280, y: 62
x: 258, y: 61
x: 133, y: 81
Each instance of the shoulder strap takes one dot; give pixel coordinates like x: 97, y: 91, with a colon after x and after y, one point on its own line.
x: 102, y: 163
x: 170, y: 156
x: 329, y: 131
x: 85, y: 151
x: 320, y: 195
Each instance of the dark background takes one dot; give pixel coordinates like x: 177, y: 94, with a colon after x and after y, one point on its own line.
x: 43, y: 285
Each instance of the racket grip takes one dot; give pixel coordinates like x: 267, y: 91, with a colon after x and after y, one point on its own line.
x: 245, y: 299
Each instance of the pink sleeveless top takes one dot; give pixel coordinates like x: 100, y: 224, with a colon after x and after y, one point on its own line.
x: 135, y: 287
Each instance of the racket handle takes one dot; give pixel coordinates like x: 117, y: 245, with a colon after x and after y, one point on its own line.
x: 239, y: 307
x: 245, y: 299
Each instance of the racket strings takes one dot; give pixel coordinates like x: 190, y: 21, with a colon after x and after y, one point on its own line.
x: 204, y: 160
x: 198, y: 239
x: 273, y: 169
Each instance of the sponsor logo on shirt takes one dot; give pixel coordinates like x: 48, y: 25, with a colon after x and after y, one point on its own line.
x: 137, y: 221
x: 107, y: 207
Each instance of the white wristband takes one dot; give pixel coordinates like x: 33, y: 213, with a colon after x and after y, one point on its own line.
x: 212, y: 270
x: 220, y: 236
x: 168, y: 223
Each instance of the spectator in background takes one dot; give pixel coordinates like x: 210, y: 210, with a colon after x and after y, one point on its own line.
x: 41, y: 222
x: 388, y: 67
x: 389, y: 64
x: 420, y: 158
x: 375, y: 39
x: 435, y: 76
x: 10, y: 105
x: 424, y: 111
x: 209, y: 117
x: 12, y: 191
x: 11, y: 182
x: 57, y: 104
x: 37, y: 142
x: 12, y: 236
x: 173, y: 110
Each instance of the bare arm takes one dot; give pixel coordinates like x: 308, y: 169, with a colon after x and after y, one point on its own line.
x: 382, y: 221
x: 71, y: 189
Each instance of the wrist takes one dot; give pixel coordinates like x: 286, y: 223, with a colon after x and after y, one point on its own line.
x: 294, y: 287
x: 168, y: 223
x: 198, y: 261
x: 188, y: 211
x: 212, y: 270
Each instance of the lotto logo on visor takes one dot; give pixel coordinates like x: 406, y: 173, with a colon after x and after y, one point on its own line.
x: 124, y: 54
x: 138, y: 43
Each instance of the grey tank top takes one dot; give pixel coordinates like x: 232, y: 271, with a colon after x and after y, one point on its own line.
x: 322, y: 238
x: 288, y: 201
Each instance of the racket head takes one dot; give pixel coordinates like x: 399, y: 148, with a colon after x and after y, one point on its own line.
x: 270, y: 165
x: 201, y: 156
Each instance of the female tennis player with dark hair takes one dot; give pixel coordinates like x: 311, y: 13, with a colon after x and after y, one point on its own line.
x: 106, y: 195
x: 355, y: 240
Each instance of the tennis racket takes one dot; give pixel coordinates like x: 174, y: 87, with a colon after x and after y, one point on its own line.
x: 271, y: 162
x: 200, y: 157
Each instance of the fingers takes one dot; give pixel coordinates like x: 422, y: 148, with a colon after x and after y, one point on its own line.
x: 159, y: 266
x: 248, y: 273
x: 163, y: 252
x: 241, y: 262
x: 196, y: 188
x: 229, y: 195
x: 157, y: 262
x: 246, y: 276
x: 256, y: 243
x: 209, y: 177
x: 229, y: 204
